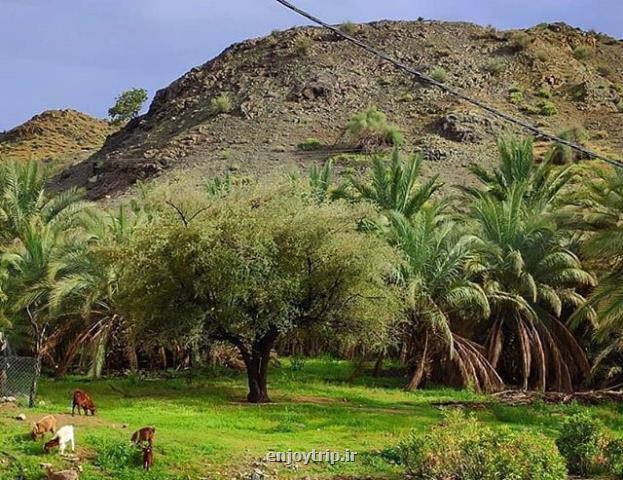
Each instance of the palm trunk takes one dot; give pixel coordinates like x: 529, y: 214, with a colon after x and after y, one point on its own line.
x: 418, y: 371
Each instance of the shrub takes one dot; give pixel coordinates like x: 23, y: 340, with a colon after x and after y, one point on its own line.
x: 515, y: 97
x: 439, y: 74
x: 544, y: 92
x: 546, y: 108
x: 581, y: 53
x: 581, y: 440
x: 461, y: 447
x: 614, y: 458
x: 495, y: 66
x: 310, y: 144
x: 541, y: 55
x: 369, y: 129
x: 349, y: 28
x: 520, y: 41
x: 619, y: 106
x: 563, y: 154
x: 302, y: 45
x: 221, y: 104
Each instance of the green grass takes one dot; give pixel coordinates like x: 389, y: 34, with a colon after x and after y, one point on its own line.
x: 205, y: 429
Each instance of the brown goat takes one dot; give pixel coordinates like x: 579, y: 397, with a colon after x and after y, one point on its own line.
x: 148, y: 457
x: 145, y: 434
x: 83, y: 400
x: 43, y: 426
x: 61, y: 475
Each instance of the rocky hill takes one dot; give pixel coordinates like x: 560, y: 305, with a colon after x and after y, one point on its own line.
x: 249, y: 108
x: 61, y: 136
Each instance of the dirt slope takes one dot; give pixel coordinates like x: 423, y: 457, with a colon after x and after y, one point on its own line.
x: 58, y: 135
x: 307, y: 82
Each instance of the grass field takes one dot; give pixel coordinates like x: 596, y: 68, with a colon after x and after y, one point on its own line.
x: 206, y: 430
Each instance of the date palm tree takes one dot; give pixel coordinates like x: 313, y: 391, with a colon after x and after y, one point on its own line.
x: 84, y: 285
x: 393, y: 186
x: 603, y: 221
x: 533, y: 283
x: 441, y: 292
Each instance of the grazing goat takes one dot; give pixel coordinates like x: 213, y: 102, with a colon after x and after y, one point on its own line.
x: 148, y: 457
x: 43, y: 426
x: 145, y: 434
x: 83, y: 400
x: 64, y: 436
x: 62, y: 475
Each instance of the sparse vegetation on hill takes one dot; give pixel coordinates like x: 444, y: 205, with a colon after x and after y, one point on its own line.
x: 57, y: 136
x: 305, y: 82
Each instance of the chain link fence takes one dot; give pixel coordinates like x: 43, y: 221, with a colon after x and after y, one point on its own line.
x: 16, y: 376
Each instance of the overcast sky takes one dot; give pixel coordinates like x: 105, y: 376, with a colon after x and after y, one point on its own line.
x: 81, y: 53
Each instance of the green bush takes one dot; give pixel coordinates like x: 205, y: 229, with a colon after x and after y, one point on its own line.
x: 563, y: 154
x: 495, y: 66
x: 303, y: 45
x: 462, y: 448
x: 619, y: 106
x: 546, y: 108
x: 544, y: 92
x: 310, y: 144
x: 221, y: 104
x: 520, y: 41
x: 542, y: 55
x: 515, y: 95
x: 581, y: 53
x: 614, y: 458
x: 349, y: 28
x: 581, y: 442
x: 439, y: 74
x: 369, y: 129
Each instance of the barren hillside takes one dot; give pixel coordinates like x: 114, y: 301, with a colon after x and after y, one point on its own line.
x: 249, y: 108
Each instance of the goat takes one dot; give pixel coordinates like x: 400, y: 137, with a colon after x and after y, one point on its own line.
x: 148, y: 457
x: 43, y: 426
x: 63, y: 437
x: 83, y: 400
x: 62, y: 475
x: 145, y: 434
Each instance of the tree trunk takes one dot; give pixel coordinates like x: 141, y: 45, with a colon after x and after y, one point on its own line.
x: 257, y: 375
x: 40, y: 336
x: 418, y: 371
x: 379, y: 364
x: 257, y: 361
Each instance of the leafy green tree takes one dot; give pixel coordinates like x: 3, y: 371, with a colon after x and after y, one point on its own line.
x: 441, y: 291
x: 253, y: 266
x: 127, y: 105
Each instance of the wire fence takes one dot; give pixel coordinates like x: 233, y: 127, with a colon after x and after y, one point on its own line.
x: 16, y: 376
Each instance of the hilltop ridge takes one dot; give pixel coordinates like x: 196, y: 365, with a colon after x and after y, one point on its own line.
x: 247, y: 109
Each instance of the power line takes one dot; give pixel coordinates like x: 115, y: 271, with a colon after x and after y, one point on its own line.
x: 452, y: 91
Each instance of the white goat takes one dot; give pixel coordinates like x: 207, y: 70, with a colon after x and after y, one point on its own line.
x: 64, y: 436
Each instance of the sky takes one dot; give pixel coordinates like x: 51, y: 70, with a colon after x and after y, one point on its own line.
x: 81, y: 54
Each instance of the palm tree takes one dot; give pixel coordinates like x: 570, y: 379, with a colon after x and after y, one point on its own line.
x: 544, y: 182
x: 394, y: 185
x: 85, y: 282
x: 603, y: 219
x: 23, y: 194
x: 27, y: 285
x: 533, y: 282
x: 438, y: 278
